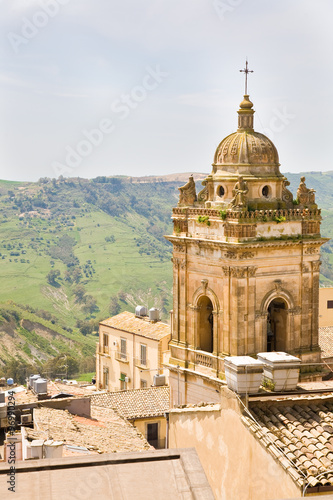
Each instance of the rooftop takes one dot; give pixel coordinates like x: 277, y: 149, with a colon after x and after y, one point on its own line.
x: 153, y: 475
x: 106, y: 432
x: 298, y: 432
x: 128, y: 322
x: 137, y: 403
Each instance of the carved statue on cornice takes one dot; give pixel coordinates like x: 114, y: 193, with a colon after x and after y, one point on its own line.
x: 239, y: 192
x: 287, y: 196
x: 305, y: 195
x: 188, y: 193
x: 203, y: 194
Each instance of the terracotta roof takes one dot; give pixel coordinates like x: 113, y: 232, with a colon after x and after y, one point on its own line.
x: 136, y: 403
x: 326, y: 341
x: 299, y: 434
x: 107, y: 433
x: 128, y: 322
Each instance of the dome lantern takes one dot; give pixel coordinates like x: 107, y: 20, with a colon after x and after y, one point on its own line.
x: 245, y: 114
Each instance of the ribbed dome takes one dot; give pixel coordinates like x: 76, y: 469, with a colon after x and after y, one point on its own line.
x: 246, y: 146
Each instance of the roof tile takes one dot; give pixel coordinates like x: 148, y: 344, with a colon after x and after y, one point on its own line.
x: 303, y: 433
x: 128, y: 322
x: 137, y: 403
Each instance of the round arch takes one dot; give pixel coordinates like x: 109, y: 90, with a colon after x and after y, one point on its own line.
x: 203, y: 291
x: 275, y: 308
x: 205, y: 306
x: 279, y: 293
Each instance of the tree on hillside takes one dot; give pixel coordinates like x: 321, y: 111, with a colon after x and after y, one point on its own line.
x: 87, y: 327
x: 18, y: 370
x: 79, y: 293
x: 60, y: 366
x: 114, y: 307
x: 52, y: 277
x: 90, y: 304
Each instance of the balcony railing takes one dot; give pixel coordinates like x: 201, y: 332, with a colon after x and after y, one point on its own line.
x: 139, y: 363
x: 106, y: 350
x: 204, y: 360
x: 123, y: 357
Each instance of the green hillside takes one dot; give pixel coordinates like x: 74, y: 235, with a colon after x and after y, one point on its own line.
x: 74, y: 246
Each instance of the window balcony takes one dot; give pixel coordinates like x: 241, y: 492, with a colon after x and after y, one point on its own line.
x: 105, y: 349
x: 122, y: 357
x: 142, y: 364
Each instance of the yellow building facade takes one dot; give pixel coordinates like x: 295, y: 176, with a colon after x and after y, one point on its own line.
x: 130, y: 352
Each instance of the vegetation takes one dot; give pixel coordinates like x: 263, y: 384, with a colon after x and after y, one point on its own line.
x: 204, y: 219
x: 223, y: 214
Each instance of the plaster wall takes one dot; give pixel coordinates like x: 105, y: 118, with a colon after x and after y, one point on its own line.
x: 236, y: 465
x: 192, y: 390
x: 325, y: 314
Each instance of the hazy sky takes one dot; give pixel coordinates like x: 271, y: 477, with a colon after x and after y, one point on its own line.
x: 142, y: 87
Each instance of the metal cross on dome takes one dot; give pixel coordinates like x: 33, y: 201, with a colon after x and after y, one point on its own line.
x: 246, y: 70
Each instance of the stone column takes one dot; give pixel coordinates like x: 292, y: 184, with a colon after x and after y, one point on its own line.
x: 315, y: 302
x: 251, y: 309
x: 226, y: 343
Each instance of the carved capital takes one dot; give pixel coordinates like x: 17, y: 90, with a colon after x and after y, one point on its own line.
x: 251, y: 271
x: 316, y: 265
x: 238, y: 272
x: 180, y: 263
x: 226, y: 270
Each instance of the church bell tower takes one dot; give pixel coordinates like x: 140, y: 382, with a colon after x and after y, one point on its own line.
x: 246, y: 259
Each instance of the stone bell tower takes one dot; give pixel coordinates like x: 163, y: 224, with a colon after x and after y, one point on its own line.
x: 246, y: 259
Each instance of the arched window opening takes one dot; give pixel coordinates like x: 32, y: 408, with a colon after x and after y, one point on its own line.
x: 206, y: 324
x: 220, y: 191
x: 277, y: 326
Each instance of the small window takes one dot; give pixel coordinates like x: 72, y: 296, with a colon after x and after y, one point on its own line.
x: 330, y: 304
x: 152, y: 434
x: 220, y: 191
x: 106, y: 378
x: 143, y: 354
x: 123, y: 348
x: 105, y: 340
x: 265, y: 191
x: 123, y: 383
x: 143, y: 384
